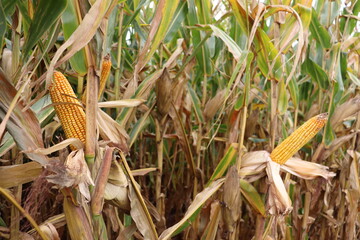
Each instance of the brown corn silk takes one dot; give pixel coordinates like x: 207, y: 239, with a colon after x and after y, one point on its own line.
x: 68, y: 108
x: 298, y: 139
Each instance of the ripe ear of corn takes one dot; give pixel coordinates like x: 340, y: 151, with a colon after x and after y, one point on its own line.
x: 67, y: 107
x: 298, y: 139
x: 105, y: 72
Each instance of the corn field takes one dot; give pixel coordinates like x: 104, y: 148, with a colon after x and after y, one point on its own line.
x: 179, y: 119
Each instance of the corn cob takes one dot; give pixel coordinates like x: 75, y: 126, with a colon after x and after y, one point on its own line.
x: 298, y: 139
x: 105, y: 72
x: 68, y: 108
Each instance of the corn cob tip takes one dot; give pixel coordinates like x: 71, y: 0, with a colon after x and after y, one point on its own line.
x: 57, y: 75
x: 321, y: 120
x: 323, y: 116
x: 107, y: 57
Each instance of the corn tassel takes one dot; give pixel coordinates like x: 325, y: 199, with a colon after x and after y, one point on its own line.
x: 298, y: 139
x: 105, y: 72
x: 68, y: 108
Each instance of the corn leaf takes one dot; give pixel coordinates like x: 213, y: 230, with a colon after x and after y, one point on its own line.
x: 2, y: 24
x: 316, y: 72
x: 159, y: 26
x: 230, y: 43
x: 252, y: 196
x: 196, y: 104
x: 22, y: 125
x: 70, y: 22
x: 193, y: 209
x: 319, y: 32
x: 47, y: 12
x: 202, y: 55
x: 228, y: 159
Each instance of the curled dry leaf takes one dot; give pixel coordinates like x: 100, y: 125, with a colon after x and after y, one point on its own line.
x: 77, y: 221
x: 121, y: 103
x: 70, y: 141
x: 138, y: 214
x: 117, y: 175
x: 74, y: 172
x: 306, y: 170
x: 127, y: 232
x: 6, y: 61
x: 345, y: 110
x: 116, y: 189
x: 278, y: 200
x: 164, y: 93
x: 199, y: 200
x: 23, y: 126
x: 337, y: 143
x: 314, y: 110
x: 254, y: 164
x: 215, y: 216
x: 50, y: 231
x: 214, y: 104
x: 142, y: 171
x: 117, y: 195
x: 81, y: 36
x: 354, y: 173
x: 231, y: 198
x: 14, y: 175
x: 112, y: 131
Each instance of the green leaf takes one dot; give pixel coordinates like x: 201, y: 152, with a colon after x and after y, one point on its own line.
x: 319, y: 32
x: 144, y: 87
x: 2, y: 222
x: 316, y: 73
x: 228, y: 159
x: 294, y: 92
x: 350, y: 23
x: 139, y: 126
x: 266, y: 54
x: 46, y: 14
x: 252, y: 196
x: 249, y: 60
x: 6, y: 144
x: 164, y: 14
x: 2, y: 24
x: 337, y: 93
x: 69, y: 24
x: 39, y: 110
x: 179, y: 17
x: 241, y: 16
x: 9, y: 6
x: 288, y: 31
x: 354, y: 79
x: 196, y: 103
x: 229, y: 42
x: 204, y: 11
x: 283, y: 99
x: 203, y: 54
x: 335, y: 65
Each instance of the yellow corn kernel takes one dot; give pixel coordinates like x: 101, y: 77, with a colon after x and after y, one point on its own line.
x: 67, y: 107
x: 105, y: 72
x: 298, y: 139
